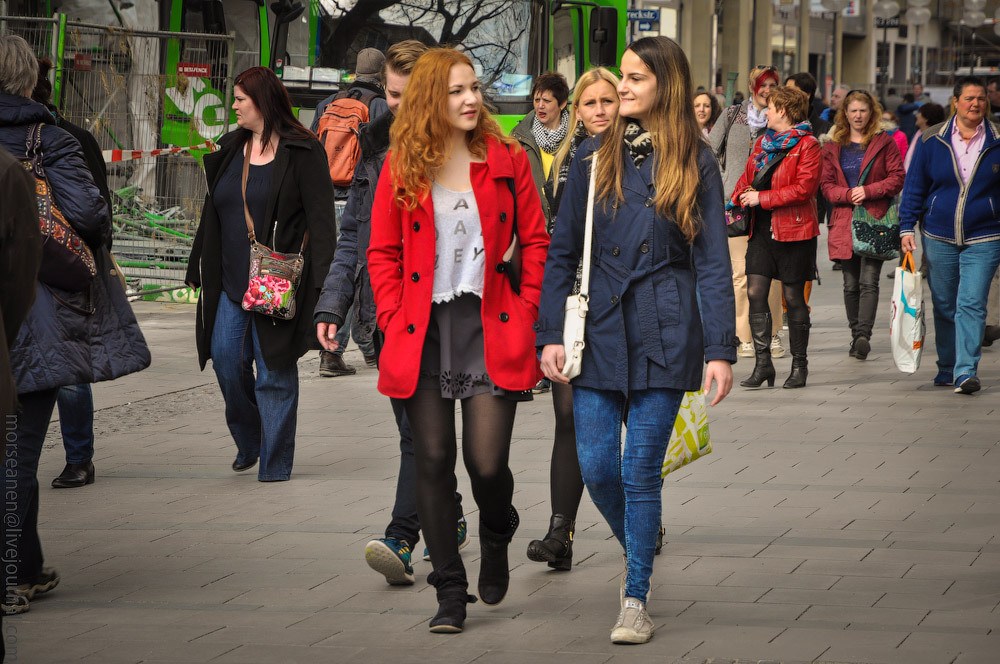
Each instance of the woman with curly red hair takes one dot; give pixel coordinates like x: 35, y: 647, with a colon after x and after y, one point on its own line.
x: 453, y: 195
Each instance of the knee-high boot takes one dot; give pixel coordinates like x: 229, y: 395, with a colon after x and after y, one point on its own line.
x: 763, y: 370
x: 494, y: 570
x: 798, y: 339
x: 452, y: 587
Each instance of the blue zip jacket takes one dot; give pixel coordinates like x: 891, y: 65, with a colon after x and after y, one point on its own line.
x: 934, y: 195
x: 659, y: 307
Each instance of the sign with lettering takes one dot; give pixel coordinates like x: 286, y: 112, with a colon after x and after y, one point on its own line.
x: 194, y: 69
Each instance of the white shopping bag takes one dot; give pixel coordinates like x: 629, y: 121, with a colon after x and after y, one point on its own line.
x: 906, y: 327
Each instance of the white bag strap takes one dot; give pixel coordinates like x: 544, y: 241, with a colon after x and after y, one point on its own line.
x: 588, y: 235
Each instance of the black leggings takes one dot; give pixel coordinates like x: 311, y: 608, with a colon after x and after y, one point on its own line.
x: 487, y: 425
x: 758, y: 286
x: 565, y: 480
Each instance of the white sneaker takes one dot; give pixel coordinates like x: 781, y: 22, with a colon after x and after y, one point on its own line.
x: 634, y: 625
x: 777, y: 350
x: 746, y: 349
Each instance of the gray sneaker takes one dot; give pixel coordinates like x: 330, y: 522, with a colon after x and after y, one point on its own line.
x: 634, y: 625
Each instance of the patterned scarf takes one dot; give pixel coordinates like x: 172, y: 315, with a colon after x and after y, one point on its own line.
x: 548, y: 140
x: 775, y: 142
x: 756, y: 117
x: 638, y: 141
x: 579, y: 136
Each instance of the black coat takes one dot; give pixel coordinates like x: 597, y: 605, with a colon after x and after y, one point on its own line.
x: 301, y: 198
x: 20, y: 255
x: 347, y: 281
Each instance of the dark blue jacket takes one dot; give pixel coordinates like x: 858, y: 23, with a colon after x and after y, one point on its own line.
x: 348, y: 280
x: 71, y: 338
x: 934, y: 194
x: 659, y: 307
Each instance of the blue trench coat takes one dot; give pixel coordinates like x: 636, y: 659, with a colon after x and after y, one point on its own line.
x: 659, y: 307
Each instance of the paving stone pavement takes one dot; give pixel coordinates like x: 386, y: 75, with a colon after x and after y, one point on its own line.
x: 856, y: 520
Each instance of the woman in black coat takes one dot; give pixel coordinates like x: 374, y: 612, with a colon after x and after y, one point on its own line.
x: 70, y: 337
x: 288, y: 193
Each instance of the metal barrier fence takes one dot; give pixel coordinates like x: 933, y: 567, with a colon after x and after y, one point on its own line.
x: 156, y: 102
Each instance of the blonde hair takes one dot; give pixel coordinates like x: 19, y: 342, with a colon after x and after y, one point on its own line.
x: 588, y: 78
x: 677, y: 139
x: 841, y: 130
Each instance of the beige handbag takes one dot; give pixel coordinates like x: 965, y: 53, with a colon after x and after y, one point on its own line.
x: 577, y: 305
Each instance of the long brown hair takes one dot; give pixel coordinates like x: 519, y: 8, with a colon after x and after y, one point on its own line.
x: 677, y: 139
x: 272, y: 101
x: 420, y: 133
x: 841, y: 131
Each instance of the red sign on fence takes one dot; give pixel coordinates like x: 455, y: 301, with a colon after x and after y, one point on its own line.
x: 194, y: 69
x: 83, y: 62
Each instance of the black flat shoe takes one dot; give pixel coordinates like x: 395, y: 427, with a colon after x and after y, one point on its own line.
x: 240, y: 467
x: 75, y: 475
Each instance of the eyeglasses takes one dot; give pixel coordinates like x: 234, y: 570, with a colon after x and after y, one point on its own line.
x: 766, y: 67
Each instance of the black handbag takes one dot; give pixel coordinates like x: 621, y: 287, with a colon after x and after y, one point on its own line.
x: 738, y: 219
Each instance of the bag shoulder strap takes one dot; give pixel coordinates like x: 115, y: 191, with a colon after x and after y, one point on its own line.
x: 864, y: 174
x: 768, y: 167
x: 33, y: 149
x: 588, y: 234
x: 251, y: 233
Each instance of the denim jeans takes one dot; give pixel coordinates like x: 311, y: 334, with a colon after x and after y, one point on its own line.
x: 261, y: 410
x: 960, y: 282
x: 76, y: 422
x: 861, y: 281
x: 624, y: 480
x: 351, y: 328
x: 405, y: 524
x: 25, y: 434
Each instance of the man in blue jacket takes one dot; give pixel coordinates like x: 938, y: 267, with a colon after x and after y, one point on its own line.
x: 953, y: 186
x: 347, y: 282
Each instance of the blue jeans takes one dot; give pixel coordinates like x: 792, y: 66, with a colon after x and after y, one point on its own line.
x: 960, y: 284
x: 351, y: 328
x: 76, y: 422
x: 25, y: 433
x: 624, y: 482
x: 261, y: 410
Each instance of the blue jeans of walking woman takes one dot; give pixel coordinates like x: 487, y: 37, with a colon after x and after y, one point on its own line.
x: 261, y: 406
x: 960, y: 283
x: 624, y: 480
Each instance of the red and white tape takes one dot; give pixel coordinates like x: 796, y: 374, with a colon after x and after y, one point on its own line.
x: 112, y: 156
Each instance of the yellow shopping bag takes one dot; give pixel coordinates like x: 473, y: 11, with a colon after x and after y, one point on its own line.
x: 689, y: 440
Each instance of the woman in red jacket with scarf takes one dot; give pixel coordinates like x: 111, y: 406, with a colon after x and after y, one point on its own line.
x: 861, y: 166
x: 455, y: 329
x: 779, y: 185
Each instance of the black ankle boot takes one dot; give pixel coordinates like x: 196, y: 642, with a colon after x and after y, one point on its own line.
x: 452, y: 587
x: 798, y: 340
x: 556, y: 548
x: 763, y: 369
x: 494, y: 571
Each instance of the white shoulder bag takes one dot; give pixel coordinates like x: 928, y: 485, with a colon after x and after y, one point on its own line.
x: 577, y: 305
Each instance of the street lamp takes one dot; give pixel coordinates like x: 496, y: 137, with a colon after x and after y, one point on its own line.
x: 885, y: 10
x: 837, y: 7
x: 917, y: 15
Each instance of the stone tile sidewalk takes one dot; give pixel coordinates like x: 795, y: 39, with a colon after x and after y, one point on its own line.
x: 856, y: 520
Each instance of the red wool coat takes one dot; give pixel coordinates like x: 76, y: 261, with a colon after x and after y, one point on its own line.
x: 884, y: 181
x: 401, y: 266
x: 792, y: 196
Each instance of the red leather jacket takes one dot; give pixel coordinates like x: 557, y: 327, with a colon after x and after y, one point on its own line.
x: 792, y: 196
x: 401, y: 266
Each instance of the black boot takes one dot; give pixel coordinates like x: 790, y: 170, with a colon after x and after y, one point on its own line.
x: 763, y: 370
x: 556, y: 548
x: 494, y: 571
x: 798, y: 339
x: 452, y: 587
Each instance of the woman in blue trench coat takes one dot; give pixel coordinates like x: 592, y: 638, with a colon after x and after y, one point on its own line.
x: 661, y: 301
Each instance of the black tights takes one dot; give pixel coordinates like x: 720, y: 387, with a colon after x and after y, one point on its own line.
x: 487, y: 425
x: 565, y: 480
x: 758, y: 286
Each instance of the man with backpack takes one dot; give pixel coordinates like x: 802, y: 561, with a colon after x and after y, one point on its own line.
x: 347, y: 286
x: 338, y: 123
